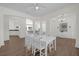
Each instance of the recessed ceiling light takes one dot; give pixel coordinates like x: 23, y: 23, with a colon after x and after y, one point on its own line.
x: 37, y: 8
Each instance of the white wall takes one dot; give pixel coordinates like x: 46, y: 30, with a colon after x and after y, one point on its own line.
x: 70, y: 19
x: 22, y: 24
x: 6, y: 28
x: 69, y: 14
x: 3, y: 22
x: 1, y: 30
x: 20, y: 21
x: 77, y: 30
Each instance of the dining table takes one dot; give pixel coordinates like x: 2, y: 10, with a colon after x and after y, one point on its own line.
x: 39, y: 41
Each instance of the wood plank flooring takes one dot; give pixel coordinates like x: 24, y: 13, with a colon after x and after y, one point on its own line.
x: 15, y: 47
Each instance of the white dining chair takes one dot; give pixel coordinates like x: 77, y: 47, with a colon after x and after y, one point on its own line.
x: 35, y: 46
x: 43, y: 48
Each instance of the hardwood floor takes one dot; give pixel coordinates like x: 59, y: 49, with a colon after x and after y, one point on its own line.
x: 77, y: 51
x: 15, y: 47
x: 65, y: 47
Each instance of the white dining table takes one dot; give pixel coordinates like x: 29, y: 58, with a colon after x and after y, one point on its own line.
x: 48, y: 40
x: 35, y: 41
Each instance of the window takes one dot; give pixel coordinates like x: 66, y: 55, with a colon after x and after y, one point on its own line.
x: 29, y: 25
x: 43, y: 27
x: 37, y: 27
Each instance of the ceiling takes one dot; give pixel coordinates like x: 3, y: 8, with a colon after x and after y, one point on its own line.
x: 29, y: 8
